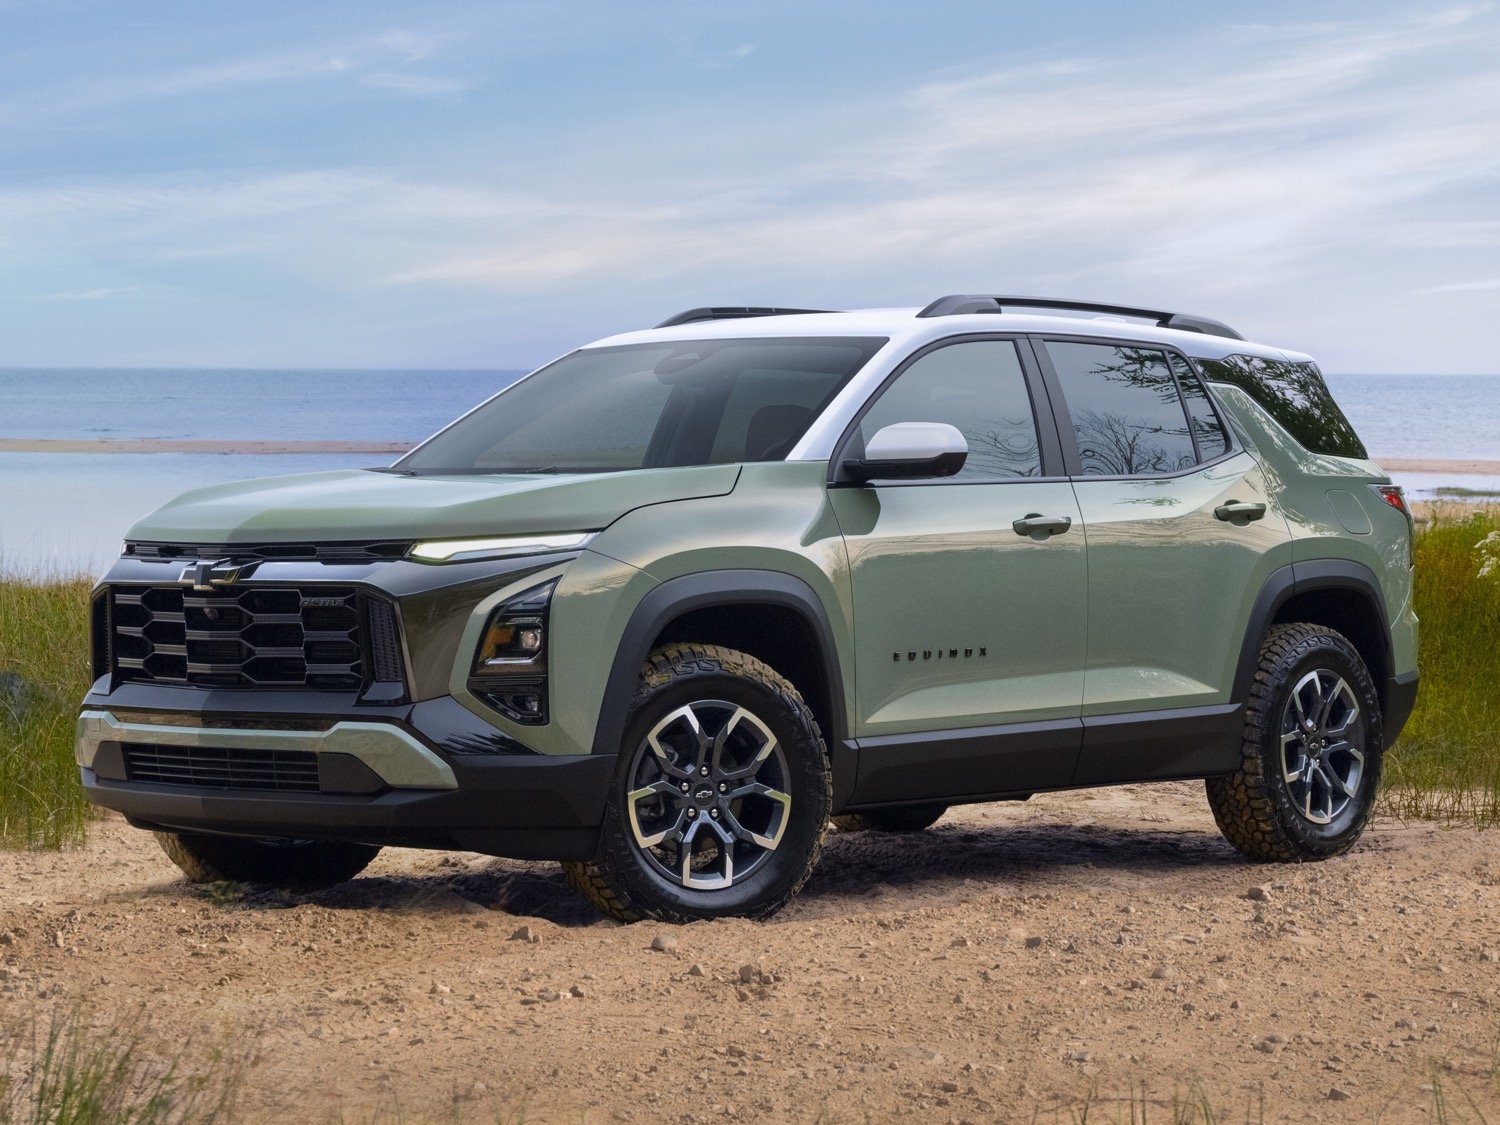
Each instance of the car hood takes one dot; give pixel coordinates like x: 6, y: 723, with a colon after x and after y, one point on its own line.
x: 361, y: 504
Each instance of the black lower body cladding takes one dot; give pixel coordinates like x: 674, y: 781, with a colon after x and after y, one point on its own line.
x: 502, y: 799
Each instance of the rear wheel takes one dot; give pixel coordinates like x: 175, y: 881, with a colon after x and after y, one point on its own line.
x: 290, y: 864
x: 721, y: 797
x: 903, y: 818
x: 1311, y: 755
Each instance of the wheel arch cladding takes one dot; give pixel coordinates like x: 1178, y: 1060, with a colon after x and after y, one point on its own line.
x: 772, y: 616
x: 1339, y: 594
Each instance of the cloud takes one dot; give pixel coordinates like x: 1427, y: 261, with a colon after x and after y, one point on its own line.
x: 387, y: 61
x: 1304, y: 170
x: 1464, y: 287
x: 1274, y: 162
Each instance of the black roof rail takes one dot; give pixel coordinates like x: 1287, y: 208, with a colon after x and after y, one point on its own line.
x: 730, y: 313
x: 958, y: 304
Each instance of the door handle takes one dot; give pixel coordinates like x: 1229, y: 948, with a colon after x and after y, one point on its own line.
x: 1037, y: 524
x: 1239, y: 510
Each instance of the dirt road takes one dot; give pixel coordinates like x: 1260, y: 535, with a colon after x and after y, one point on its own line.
x: 1012, y: 963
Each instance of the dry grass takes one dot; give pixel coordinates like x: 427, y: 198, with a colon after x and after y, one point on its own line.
x: 70, y: 1072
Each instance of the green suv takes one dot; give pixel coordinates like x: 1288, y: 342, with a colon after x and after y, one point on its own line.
x: 666, y: 607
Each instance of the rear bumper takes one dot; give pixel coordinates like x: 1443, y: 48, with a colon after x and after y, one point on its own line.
x: 420, y: 779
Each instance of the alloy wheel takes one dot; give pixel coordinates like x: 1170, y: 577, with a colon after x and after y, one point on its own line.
x: 707, y: 797
x: 1322, y: 746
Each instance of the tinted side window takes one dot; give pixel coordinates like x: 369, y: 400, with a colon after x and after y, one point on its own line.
x: 978, y: 386
x: 1126, y: 411
x: 1296, y: 396
x: 1208, y: 431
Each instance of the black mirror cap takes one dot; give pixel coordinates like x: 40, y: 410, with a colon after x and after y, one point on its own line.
x: 945, y: 464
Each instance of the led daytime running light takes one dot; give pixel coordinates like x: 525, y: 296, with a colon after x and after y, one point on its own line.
x: 463, y: 550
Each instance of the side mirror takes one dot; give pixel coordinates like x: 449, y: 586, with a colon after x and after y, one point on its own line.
x: 910, y: 450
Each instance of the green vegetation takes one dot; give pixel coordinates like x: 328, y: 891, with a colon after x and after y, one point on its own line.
x: 1447, y: 764
x: 71, y: 1073
x: 44, y: 672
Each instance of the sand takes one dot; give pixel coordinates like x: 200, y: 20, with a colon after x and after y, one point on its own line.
x: 1009, y: 964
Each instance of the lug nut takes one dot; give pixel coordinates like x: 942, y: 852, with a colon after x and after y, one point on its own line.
x: 684, y: 787
x: 714, y: 813
x: 723, y: 787
x: 704, y: 771
x: 692, y: 813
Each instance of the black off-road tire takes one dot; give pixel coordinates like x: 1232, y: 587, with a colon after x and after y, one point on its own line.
x: 622, y: 880
x: 288, y: 864
x: 1254, y: 806
x: 903, y: 818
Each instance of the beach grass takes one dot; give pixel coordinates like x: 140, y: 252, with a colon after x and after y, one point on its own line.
x: 1447, y: 763
x: 69, y: 1071
x: 44, y: 672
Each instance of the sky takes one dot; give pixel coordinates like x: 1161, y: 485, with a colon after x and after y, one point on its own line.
x: 488, y: 185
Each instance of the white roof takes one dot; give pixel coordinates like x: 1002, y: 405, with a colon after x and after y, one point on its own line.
x: 906, y: 330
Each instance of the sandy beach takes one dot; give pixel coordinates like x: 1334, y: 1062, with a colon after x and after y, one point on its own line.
x: 1015, y: 963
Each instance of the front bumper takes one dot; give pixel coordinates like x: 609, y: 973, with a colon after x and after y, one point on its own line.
x: 369, y: 766
x: 429, y: 775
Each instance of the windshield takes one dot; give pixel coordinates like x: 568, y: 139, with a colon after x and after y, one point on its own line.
x: 697, y: 402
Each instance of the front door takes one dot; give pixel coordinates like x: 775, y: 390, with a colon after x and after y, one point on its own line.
x: 970, y: 627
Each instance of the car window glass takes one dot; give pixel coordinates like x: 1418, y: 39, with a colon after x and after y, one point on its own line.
x: 1126, y: 412
x: 977, y: 386
x: 686, y: 402
x: 1295, y: 395
x: 1207, y: 429
x: 767, y: 411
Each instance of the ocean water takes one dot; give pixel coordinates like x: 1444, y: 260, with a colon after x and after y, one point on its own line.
x: 282, y: 405
x: 1444, y: 416
x: 66, y: 513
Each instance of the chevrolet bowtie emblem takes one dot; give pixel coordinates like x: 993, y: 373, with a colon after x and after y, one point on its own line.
x: 205, y: 574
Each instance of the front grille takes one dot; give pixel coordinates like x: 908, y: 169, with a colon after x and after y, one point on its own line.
x: 243, y: 636
x: 221, y: 768
x: 346, y: 552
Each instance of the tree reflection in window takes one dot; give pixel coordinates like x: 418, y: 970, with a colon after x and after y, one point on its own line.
x: 1296, y: 396
x: 1125, y: 407
x: 978, y: 387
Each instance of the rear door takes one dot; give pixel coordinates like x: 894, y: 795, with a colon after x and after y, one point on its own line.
x: 969, y: 633
x: 1182, y: 532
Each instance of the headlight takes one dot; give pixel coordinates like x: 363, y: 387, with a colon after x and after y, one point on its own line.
x: 465, y: 550
x: 510, y: 666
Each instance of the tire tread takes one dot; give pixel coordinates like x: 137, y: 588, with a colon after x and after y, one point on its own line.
x: 1244, y: 803
x: 599, y: 879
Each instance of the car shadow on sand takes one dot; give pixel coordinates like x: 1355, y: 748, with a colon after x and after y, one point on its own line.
x: 858, y: 871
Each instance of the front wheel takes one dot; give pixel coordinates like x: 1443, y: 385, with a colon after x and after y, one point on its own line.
x: 722, y: 795
x: 288, y: 864
x: 1311, y: 755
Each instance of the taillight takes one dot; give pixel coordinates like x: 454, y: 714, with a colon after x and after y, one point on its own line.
x: 1393, y: 496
